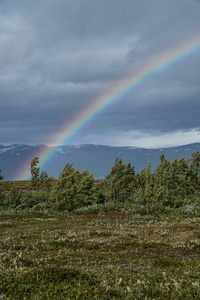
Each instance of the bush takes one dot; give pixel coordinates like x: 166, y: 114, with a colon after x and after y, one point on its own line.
x: 35, y: 199
x: 74, y: 189
x: 109, y: 206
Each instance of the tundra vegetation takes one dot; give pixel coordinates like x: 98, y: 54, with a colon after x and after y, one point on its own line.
x: 129, y: 236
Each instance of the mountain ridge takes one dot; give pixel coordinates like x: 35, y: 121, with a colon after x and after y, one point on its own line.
x: 96, y: 158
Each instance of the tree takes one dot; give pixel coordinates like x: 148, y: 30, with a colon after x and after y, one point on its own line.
x: 39, y: 181
x: 161, y: 176
x: 75, y: 189
x: 35, y: 172
x: 180, y: 181
x: 88, y: 191
x: 119, y: 183
x: 172, y: 182
x: 194, y: 170
x: 45, y: 181
x: 144, y: 188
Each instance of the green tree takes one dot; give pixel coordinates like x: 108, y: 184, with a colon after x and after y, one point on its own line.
x: 88, y: 191
x: 118, y: 185
x: 180, y: 181
x: 35, y: 171
x: 144, y: 188
x: 39, y: 181
x: 75, y: 189
x: 194, y: 171
x: 172, y: 182
x: 161, y: 177
x: 45, y: 181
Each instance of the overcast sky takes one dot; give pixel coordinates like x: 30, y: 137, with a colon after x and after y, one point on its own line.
x: 57, y: 56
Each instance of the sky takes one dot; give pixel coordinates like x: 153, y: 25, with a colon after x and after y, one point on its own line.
x: 58, y: 56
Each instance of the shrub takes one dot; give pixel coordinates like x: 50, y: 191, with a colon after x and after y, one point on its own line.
x: 74, y: 189
x: 35, y: 199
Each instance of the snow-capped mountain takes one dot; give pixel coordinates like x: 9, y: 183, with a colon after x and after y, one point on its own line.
x: 96, y: 158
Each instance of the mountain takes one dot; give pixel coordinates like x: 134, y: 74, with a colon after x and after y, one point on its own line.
x: 96, y: 158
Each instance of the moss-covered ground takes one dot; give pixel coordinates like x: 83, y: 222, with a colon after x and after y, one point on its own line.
x: 104, y: 256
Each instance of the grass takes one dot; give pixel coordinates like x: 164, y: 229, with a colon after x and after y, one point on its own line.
x: 99, y: 256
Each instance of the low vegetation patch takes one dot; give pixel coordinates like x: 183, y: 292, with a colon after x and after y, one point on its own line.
x: 99, y: 256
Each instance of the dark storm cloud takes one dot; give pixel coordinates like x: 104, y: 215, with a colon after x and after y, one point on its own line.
x: 57, y: 56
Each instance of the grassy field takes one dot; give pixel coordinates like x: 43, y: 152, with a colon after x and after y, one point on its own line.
x: 105, y: 256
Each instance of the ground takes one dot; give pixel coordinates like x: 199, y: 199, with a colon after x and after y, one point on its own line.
x: 99, y: 256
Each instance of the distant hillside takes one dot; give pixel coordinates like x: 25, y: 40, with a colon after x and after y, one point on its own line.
x: 96, y: 158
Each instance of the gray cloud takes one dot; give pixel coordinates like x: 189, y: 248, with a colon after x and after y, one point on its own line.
x: 56, y: 57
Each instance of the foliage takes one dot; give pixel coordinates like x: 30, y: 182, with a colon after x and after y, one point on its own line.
x: 194, y: 170
x: 34, y: 172
x: 144, y: 188
x: 75, y: 189
x: 119, y: 183
x: 170, y: 186
x: 171, y: 180
x: 39, y: 181
x: 14, y: 198
x: 34, y: 199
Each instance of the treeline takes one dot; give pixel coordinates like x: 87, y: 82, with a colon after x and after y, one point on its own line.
x: 173, y: 186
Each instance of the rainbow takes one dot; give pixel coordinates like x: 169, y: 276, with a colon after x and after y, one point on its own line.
x: 149, y: 69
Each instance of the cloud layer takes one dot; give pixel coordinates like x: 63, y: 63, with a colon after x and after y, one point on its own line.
x: 56, y: 57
